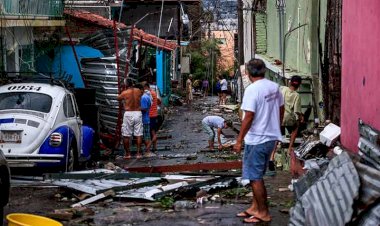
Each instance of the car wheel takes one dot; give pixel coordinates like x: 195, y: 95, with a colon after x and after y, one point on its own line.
x: 71, y: 160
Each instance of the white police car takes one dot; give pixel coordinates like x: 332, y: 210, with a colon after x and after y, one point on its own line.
x: 40, y: 127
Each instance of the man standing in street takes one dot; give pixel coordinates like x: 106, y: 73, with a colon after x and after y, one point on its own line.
x: 132, y: 119
x: 208, y: 125
x: 205, y: 87
x: 146, y: 103
x: 224, y: 89
x: 189, y: 90
x: 292, y: 117
x: 263, y: 105
x: 293, y: 114
x: 153, y: 115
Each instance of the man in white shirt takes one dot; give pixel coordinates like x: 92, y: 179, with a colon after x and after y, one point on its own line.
x: 263, y: 105
x: 208, y: 125
x: 224, y: 89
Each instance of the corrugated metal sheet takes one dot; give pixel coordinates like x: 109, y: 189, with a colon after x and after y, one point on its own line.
x: 329, y: 201
x: 369, y: 145
x: 310, y: 149
x: 101, y: 74
x: 370, y: 152
x: 371, y: 218
x: 98, y: 186
x: 370, y: 184
x: 307, y: 180
x: 261, y: 33
x: 92, y: 18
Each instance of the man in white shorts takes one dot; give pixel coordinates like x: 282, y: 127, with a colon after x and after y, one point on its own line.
x: 132, y: 120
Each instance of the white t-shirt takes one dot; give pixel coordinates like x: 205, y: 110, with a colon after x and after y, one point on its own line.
x: 214, y: 121
x: 223, y: 84
x: 263, y: 97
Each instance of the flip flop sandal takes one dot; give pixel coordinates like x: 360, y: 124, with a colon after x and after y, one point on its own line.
x: 253, y: 219
x: 244, y: 214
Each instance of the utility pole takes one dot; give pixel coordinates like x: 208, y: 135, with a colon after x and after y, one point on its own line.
x: 240, y: 32
x: 280, y: 4
x: 179, y: 41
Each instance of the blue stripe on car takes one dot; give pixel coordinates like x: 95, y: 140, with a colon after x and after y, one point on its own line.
x: 6, y: 120
x: 67, y: 134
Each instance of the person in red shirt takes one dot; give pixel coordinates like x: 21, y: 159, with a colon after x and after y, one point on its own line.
x: 153, y: 114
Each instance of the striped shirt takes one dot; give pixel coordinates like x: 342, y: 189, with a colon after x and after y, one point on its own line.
x: 153, y: 112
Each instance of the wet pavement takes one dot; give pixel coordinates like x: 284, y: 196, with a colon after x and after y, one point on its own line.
x: 186, y: 137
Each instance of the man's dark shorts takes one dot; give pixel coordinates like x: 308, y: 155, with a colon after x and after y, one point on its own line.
x: 154, y: 124
x: 255, y: 160
x: 146, y: 132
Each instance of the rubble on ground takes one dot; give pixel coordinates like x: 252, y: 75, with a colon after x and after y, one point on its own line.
x: 342, y: 190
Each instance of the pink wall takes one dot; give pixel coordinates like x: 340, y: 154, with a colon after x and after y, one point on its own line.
x: 360, y: 68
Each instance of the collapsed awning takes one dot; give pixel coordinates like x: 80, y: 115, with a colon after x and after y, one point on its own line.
x: 138, y: 34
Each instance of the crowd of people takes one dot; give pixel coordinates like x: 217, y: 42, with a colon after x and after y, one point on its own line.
x: 140, y: 118
x: 269, y: 110
x: 221, y: 88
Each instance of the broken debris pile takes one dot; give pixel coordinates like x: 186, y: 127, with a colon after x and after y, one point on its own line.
x: 347, y: 191
x: 106, y: 183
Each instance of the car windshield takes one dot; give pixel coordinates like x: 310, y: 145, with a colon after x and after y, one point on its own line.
x: 26, y: 101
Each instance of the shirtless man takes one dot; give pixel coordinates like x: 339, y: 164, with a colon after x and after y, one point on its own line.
x: 132, y: 120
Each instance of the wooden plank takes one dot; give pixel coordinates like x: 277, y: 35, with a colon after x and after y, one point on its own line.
x: 188, y: 167
x: 94, y: 198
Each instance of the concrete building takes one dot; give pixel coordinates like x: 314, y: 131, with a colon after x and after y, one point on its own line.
x: 287, y: 38
x: 226, y: 46
x: 28, y: 29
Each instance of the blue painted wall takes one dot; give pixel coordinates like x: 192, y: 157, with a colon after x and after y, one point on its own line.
x: 64, y: 63
x: 163, y: 62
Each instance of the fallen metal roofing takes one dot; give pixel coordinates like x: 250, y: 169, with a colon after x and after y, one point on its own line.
x: 311, y: 148
x: 149, y: 193
x: 371, y: 218
x: 329, y: 200
x: 311, y: 176
x: 98, y: 186
x: 102, y: 75
x: 138, y: 34
x: 369, y: 144
x: 158, y: 191
x: 93, y: 18
x: 370, y: 184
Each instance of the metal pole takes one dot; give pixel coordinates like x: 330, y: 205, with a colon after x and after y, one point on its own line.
x: 179, y: 39
x: 240, y: 33
x: 281, y: 32
x: 121, y: 10
x: 75, y: 56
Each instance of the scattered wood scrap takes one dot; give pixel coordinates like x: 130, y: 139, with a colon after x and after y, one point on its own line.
x: 94, y: 198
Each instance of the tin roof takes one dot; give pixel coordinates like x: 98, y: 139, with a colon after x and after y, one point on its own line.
x: 329, y: 200
x: 138, y: 34
x: 93, y: 18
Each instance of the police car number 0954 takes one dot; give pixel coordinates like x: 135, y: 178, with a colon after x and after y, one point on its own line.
x: 24, y: 88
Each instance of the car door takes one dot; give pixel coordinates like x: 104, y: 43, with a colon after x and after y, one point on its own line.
x: 73, y: 119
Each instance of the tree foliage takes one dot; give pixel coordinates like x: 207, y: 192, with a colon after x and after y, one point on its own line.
x: 202, y: 60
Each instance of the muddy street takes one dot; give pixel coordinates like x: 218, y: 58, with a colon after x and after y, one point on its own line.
x: 183, y: 143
